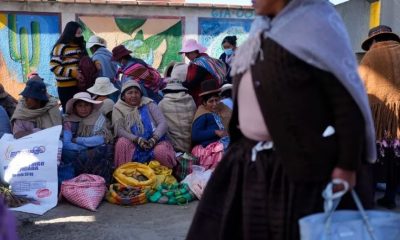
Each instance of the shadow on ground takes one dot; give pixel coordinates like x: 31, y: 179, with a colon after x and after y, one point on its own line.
x: 147, y: 222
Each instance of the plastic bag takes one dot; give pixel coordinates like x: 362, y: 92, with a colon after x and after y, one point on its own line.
x: 184, y: 166
x: 163, y: 174
x: 198, y: 180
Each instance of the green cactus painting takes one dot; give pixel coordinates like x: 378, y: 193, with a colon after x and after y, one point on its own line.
x: 21, y: 53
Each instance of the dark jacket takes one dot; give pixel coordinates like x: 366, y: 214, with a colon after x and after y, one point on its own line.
x: 203, y: 130
x: 228, y: 74
x: 298, y: 102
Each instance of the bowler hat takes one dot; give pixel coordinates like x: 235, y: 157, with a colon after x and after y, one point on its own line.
x: 380, y: 30
x: 35, y: 89
x: 119, y: 52
x: 208, y: 87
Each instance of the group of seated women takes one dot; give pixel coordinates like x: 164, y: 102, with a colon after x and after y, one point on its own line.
x: 100, y: 135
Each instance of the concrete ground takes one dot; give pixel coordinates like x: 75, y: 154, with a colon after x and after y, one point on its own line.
x: 113, y: 222
x: 147, y: 222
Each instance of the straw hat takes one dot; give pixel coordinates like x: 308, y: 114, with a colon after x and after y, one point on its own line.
x: 95, y: 40
x: 208, y: 87
x: 380, y: 30
x: 102, y: 87
x: 83, y: 96
x: 192, y: 45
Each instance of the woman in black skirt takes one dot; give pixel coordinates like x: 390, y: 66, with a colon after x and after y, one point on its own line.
x: 300, y: 118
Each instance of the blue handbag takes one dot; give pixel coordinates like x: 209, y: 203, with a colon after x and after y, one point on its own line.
x: 348, y: 224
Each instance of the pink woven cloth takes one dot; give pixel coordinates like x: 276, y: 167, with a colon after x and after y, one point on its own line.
x: 86, y: 191
x: 163, y: 153
x: 209, y: 156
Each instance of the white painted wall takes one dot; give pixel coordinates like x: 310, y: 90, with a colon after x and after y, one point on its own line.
x: 355, y: 14
x: 390, y: 14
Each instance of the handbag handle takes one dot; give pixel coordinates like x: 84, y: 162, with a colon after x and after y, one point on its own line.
x: 332, y: 201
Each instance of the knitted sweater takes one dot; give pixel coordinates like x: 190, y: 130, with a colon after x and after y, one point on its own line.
x: 64, y: 64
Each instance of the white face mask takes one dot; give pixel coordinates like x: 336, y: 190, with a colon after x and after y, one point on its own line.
x: 228, y: 51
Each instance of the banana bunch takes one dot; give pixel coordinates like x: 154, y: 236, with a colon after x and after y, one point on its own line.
x: 11, y: 199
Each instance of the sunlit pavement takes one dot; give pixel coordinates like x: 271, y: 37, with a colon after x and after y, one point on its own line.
x: 147, y: 222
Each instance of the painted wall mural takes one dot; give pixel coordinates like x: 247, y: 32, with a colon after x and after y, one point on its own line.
x: 213, y: 30
x: 155, y: 40
x: 25, y: 46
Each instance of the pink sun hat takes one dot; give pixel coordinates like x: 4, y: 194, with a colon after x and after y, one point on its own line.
x: 192, y: 45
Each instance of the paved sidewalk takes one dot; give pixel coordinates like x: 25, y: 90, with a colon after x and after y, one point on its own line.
x: 110, y: 222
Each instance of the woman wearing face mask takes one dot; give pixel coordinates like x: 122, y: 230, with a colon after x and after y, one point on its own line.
x: 201, y: 68
x: 301, y: 118
x: 65, y: 58
x: 229, y: 44
x: 87, y: 137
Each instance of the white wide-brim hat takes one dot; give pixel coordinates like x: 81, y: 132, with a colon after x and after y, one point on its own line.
x: 192, y: 45
x: 83, y: 96
x: 226, y: 87
x: 102, y: 87
x: 94, y: 40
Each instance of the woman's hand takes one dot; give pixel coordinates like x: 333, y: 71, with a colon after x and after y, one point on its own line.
x: 142, y: 143
x: 152, y: 142
x: 221, y: 133
x: 346, y: 175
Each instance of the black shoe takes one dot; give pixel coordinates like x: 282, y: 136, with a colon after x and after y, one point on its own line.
x: 384, y: 202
